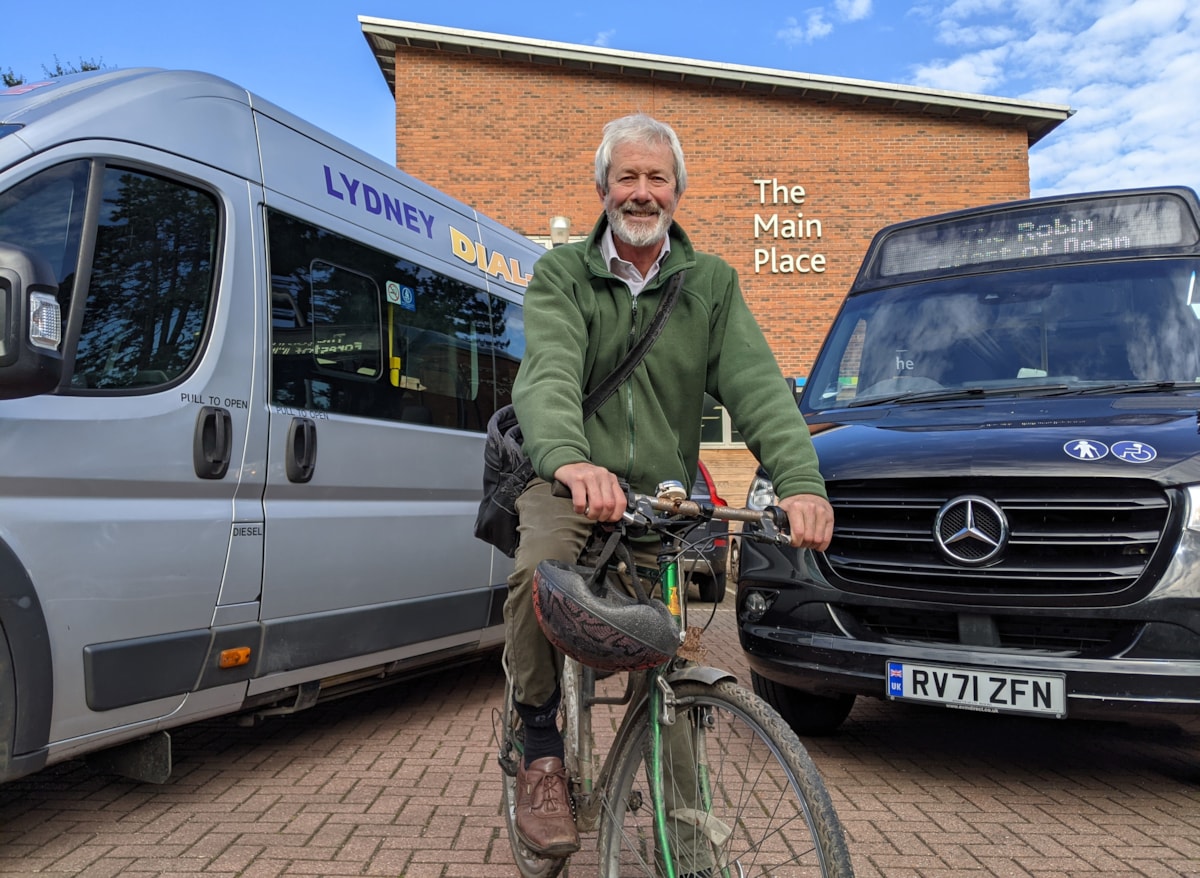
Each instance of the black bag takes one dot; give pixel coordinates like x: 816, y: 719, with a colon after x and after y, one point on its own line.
x: 507, y: 471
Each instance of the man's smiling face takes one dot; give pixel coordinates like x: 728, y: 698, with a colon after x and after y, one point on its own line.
x: 641, y: 198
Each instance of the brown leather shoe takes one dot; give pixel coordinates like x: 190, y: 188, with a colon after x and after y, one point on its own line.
x: 544, y: 818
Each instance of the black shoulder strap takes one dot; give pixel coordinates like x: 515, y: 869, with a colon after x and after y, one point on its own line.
x: 600, y: 395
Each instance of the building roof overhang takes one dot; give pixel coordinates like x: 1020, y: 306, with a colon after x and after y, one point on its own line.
x: 385, y: 36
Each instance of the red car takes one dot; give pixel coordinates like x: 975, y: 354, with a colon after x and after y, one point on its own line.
x: 706, y: 560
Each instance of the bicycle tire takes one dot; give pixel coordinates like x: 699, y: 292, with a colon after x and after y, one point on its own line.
x: 528, y: 863
x: 765, y: 792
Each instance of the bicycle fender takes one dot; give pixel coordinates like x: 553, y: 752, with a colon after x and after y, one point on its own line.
x: 693, y: 673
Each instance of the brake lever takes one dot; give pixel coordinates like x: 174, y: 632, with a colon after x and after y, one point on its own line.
x: 640, y: 505
x: 638, y: 510
x: 775, y: 526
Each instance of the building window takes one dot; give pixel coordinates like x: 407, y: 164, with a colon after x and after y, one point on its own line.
x: 716, y: 427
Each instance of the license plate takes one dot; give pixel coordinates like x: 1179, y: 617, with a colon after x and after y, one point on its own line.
x: 989, y: 691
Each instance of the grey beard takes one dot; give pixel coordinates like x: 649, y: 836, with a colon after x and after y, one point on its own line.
x: 637, y: 237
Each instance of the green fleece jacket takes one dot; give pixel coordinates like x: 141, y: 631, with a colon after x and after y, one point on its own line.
x: 579, y: 322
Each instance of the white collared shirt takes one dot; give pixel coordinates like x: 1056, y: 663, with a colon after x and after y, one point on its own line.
x: 627, y: 271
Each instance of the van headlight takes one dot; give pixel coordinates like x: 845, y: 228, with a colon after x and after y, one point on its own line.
x: 762, y: 494
x: 1193, y: 510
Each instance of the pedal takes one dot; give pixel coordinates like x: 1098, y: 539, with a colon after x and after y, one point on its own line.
x: 507, y: 757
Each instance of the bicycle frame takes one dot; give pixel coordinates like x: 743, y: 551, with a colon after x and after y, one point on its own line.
x: 654, y: 686
x: 600, y: 788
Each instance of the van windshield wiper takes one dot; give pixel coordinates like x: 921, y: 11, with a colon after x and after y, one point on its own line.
x: 947, y: 394
x: 1136, y: 387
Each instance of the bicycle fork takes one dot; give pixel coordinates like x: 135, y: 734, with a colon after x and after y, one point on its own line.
x: 698, y: 814
x: 663, y: 713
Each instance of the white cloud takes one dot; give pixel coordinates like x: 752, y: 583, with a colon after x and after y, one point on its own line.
x: 953, y: 34
x: 978, y: 72
x: 816, y: 26
x: 604, y: 37
x: 813, y: 28
x: 853, y: 10
x: 1129, y: 68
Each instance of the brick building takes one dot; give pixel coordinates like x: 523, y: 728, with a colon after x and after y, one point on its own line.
x: 789, y: 174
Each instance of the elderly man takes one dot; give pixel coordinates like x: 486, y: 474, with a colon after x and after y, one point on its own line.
x: 585, y: 306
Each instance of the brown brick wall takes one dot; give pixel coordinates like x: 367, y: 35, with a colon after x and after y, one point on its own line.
x: 517, y: 141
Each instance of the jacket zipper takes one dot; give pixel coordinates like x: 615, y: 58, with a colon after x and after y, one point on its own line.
x: 629, y: 342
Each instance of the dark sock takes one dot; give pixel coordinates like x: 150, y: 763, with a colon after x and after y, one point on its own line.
x: 542, y: 737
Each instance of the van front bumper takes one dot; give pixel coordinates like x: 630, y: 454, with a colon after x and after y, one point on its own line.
x: 1120, y: 689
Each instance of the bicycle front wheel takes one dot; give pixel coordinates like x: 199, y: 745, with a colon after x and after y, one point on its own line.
x: 741, y: 796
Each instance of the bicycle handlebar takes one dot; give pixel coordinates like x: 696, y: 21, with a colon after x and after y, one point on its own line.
x: 640, y: 508
x: 772, y: 519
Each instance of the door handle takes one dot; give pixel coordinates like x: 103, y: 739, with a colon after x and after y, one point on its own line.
x: 213, y: 443
x: 301, y: 449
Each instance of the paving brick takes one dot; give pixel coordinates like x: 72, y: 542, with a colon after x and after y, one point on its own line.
x: 403, y: 781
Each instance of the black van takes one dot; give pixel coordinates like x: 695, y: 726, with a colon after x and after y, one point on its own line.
x: 1007, y: 414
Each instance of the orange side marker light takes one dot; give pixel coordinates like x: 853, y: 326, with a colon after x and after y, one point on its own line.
x: 234, y: 658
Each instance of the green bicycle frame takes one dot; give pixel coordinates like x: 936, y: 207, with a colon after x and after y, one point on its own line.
x: 669, y: 582
x: 673, y: 598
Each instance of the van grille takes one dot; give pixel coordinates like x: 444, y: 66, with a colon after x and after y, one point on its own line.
x: 1060, y: 635
x: 1069, y: 540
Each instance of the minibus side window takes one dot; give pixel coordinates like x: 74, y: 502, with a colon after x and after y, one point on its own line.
x: 357, y: 331
x: 345, y: 320
x: 152, y: 283
x: 505, y: 346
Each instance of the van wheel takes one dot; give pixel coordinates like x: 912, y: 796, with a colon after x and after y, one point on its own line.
x: 806, y: 713
x: 712, y: 588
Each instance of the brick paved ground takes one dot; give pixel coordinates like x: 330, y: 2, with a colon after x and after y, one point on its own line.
x: 404, y: 782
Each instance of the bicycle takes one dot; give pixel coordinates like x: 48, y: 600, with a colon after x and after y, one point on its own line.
x: 742, y: 798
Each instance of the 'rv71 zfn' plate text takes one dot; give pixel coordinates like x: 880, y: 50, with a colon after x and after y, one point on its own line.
x: 990, y: 691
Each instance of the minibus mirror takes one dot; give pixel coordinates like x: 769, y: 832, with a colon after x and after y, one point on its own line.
x: 30, y: 324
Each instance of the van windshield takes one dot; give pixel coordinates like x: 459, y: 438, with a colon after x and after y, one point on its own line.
x: 1064, y: 329
x: 45, y: 214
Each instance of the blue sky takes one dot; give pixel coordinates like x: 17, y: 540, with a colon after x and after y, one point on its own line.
x: 1129, y: 68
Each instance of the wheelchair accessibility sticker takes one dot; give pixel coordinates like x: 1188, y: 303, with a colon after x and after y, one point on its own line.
x: 1126, y: 450
x: 1134, y: 452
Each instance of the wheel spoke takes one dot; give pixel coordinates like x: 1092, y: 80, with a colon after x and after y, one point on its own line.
x: 744, y: 797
